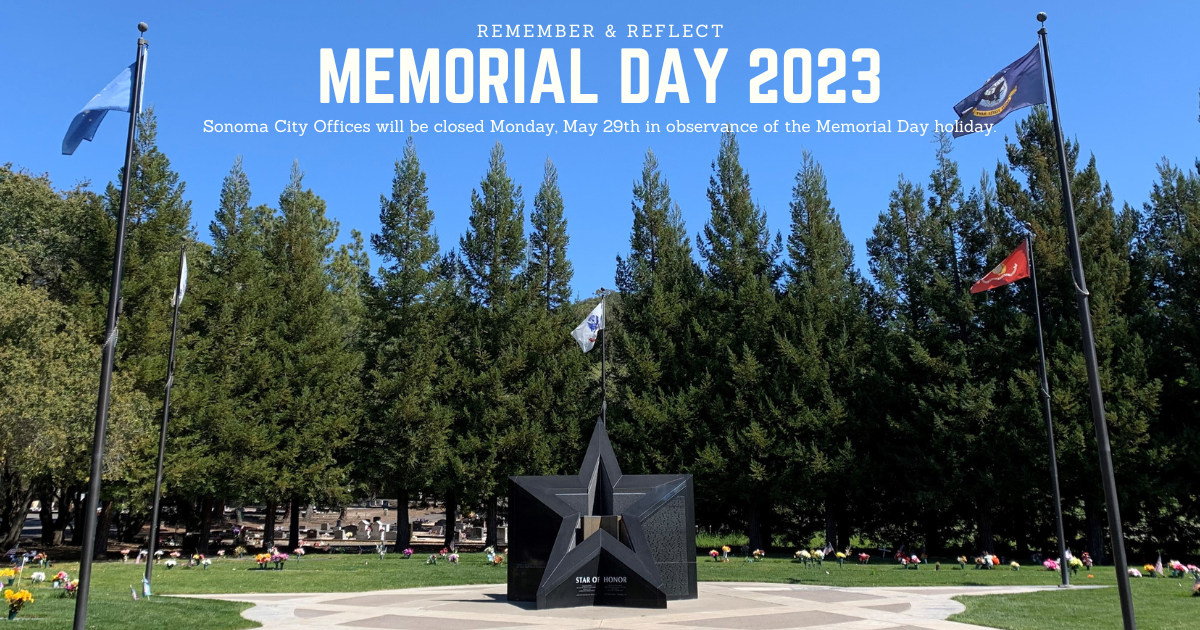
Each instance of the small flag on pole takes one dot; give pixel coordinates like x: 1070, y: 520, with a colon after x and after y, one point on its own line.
x: 1158, y: 567
x: 146, y: 585
x: 588, y: 331
x: 116, y: 96
x: 182, y: 281
x: 1014, y: 268
x: 1018, y: 85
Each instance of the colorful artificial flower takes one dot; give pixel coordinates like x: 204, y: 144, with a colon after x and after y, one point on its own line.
x: 864, y: 558
x: 841, y: 556
x: 497, y: 560
x: 1051, y: 564
x: 408, y: 552
x: 714, y: 553
x: 453, y: 558
x: 1149, y: 569
x: 1134, y: 573
x: 17, y: 600
x: 170, y: 563
x: 38, y: 577
x: 1015, y: 566
x: 220, y: 553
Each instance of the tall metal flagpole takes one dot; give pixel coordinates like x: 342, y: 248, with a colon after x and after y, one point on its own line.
x: 162, y: 436
x: 604, y: 358
x: 1089, y: 354
x: 109, y: 350
x: 1045, y: 396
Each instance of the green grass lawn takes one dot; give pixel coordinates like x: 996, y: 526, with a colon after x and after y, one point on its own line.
x: 1161, y: 603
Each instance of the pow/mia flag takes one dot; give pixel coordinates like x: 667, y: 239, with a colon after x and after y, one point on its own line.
x: 1018, y: 85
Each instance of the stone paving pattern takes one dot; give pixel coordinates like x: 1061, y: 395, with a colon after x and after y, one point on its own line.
x: 722, y: 605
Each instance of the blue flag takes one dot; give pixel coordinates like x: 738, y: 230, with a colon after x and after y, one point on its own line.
x: 1018, y: 85
x: 116, y: 96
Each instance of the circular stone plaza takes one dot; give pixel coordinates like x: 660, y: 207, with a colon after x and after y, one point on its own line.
x: 721, y: 605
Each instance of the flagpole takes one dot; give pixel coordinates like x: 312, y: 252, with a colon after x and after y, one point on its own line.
x: 162, y: 435
x: 604, y: 358
x: 1045, y: 396
x: 1089, y: 353
x: 108, y: 352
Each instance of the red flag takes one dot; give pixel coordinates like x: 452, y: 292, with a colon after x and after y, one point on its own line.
x: 1015, y: 267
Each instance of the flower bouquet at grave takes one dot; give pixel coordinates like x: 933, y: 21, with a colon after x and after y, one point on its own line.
x: 220, y: 553
x: 725, y: 553
x: 1087, y: 560
x: 196, y: 560
x: 263, y: 559
x: 170, y: 564
x: 60, y: 580
x: 1074, y: 564
x: 299, y: 551
x: 498, y: 560
x: 1134, y: 573
x: 1177, y: 569
x: 432, y: 559
x: 715, y: 555
x: 16, y: 601
x: 453, y: 559
x: 70, y: 588
x: 1015, y: 565
x: 205, y: 562
x: 279, y: 558
x: 757, y: 554
x: 819, y: 556
x: 804, y: 556
x: 124, y: 556
x: 841, y: 557
x: 444, y: 552
x: 407, y: 553
x: 1051, y: 564
x: 913, y: 562
x: 239, y: 552
x: 864, y: 558
x: 1149, y: 569
x: 8, y: 575
x: 962, y: 563
x: 38, y: 577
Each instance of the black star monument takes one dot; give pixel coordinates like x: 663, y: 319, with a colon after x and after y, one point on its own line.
x: 600, y: 537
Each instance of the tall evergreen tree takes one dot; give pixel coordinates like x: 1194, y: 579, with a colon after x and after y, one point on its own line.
x: 549, y: 270
x: 824, y: 346
x: 660, y: 380
x: 315, y: 369
x: 405, y: 434
x: 750, y: 436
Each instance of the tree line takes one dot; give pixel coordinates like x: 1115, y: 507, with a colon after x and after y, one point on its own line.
x: 807, y: 397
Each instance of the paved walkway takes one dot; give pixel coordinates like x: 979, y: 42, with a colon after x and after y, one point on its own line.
x: 722, y: 605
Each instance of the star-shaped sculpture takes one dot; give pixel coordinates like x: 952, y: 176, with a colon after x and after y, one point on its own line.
x: 600, y: 537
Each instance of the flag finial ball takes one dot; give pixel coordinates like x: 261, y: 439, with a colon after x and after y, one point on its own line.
x: 1041, y: 16
x: 143, y: 27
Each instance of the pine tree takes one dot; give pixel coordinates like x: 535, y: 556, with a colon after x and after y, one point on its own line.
x: 824, y: 347
x: 1167, y: 270
x: 549, y: 270
x: 1106, y: 239
x: 658, y: 384
x: 404, y: 437
x: 315, y: 369
x: 494, y: 436
x: 751, y: 448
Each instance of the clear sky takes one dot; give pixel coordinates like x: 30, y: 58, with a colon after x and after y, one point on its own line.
x: 1127, y: 79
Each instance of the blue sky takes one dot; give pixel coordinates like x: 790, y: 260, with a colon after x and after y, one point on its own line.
x: 1127, y: 79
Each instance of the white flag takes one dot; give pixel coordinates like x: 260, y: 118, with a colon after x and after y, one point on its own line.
x: 586, y: 332
x: 182, y: 281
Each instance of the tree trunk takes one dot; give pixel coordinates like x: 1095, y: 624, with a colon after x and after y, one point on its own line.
x: 756, y: 533
x: 403, y: 525
x: 492, y: 522
x: 1095, y: 532
x: 985, y: 542
x: 205, y: 526
x: 294, y: 530
x: 102, y: 528
x: 451, y: 517
x: 830, y: 528
x: 844, y: 532
x: 79, y: 518
x: 17, y: 496
x: 46, y: 516
x: 269, y: 527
